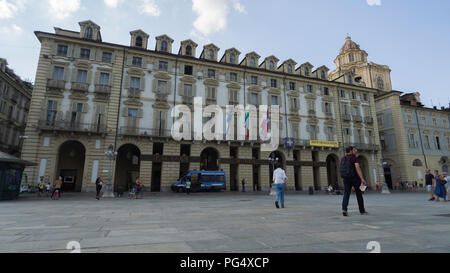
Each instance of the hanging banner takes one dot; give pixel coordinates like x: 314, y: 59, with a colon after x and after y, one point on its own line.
x: 328, y: 144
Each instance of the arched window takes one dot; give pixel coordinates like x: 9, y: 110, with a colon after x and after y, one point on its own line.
x: 139, y: 41
x: 88, y: 33
x: 164, y: 46
x: 350, y: 79
x: 417, y: 163
x: 271, y: 65
x: 380, y: 83
x: 232, y: 58
x: 189, y: 50
x: 211, y: 54
x: 351, y: 57
x: 289, y: 68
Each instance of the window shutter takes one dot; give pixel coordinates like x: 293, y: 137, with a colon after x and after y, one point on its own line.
x: 69, y: 51
x: 142, y: 84
x: 92, y: 54
x: 85, y: 108
x: 77, y: 52
x: 74, y: 74
x: 125, y: 112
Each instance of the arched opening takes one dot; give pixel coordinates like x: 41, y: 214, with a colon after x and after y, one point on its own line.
x: 274, y: 158
x: 364, y: 164
x: 333, y: 171
x: 139, y: 42
x: 388, y: 174
x: 71, y: 159
x: 209, y: 160
x: 127, y: 167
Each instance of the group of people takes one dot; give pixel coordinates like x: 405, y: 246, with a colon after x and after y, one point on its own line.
x: 350, y: 171
x: 57, y: 188
x: 135, y: 189
x: 441, y: 184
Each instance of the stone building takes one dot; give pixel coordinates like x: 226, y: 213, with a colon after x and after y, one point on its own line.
x: 90, y: 94
x: 413, y: 137
x: 15, y: 98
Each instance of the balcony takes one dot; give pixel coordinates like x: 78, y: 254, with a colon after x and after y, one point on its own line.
x: 346, y: 117
x: 357, y: 118
x: 364, y: 146
x: 102, y: 89
x: 329, y: 115
x: 187, y: 99
x: 312, y: 112
x: 134, y: 93
x: 67, y: 126
x: 56, y: 84
x: 162, y: 96
x: 368, y: 120
x: 81, y: 87
x: 144, y: 132
x: 211, y: 101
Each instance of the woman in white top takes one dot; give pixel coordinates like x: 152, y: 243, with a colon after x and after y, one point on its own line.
x: 279, y: 182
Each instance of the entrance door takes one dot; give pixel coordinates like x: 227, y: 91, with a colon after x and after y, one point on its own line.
x: 69, y: 179
x: 156, y: 177
x: 388, y: 177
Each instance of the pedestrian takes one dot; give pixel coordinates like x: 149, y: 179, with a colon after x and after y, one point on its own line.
x: 98, y: 187
x: 279, y: 181
x: 447, y: 179
x: 243, y: 185
x: 47, y: 189
x: 188, y: 186
x: 255, y: 186
x: 41, y: 189
x: 57, y: 186
x: 440, y: 190
x: 353, y: 178
x: 138, y: 188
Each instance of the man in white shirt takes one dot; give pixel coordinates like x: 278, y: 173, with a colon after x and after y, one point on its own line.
x: 279, y: 182
x: 447, y: 178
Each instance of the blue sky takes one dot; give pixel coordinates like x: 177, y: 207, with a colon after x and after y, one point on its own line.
x: 412, y: 37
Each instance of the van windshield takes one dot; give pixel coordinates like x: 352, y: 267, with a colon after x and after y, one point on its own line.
x: 208, y: 178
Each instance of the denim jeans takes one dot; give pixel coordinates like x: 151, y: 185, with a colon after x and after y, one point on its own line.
x: 280, y: 193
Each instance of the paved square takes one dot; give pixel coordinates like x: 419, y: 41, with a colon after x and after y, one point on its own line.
x: 223, y: 222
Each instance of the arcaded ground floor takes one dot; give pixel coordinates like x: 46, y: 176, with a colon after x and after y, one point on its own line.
x: 224, y: 222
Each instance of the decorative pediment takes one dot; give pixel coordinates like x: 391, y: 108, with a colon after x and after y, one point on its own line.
x: 188, y: 48
x: 133, y: 102
x: 255, y: 88
x: 295, y: 118
x: 188, y: 79
x: 327, y: 99
x: 251, y: 59
x: 233, y: 86
x: 231, y: 56
x: 330, y: 122
x: 211, y: 82
x: 136, y: 72
x: 139, y: 39
x: 210, y: 52
x: 83, y: 64
x: 294, y: 94
x: 274, y: 91
x: 160, y: 105
x: 312, y: 121
x: 162, y: 76
x: 310, y: 97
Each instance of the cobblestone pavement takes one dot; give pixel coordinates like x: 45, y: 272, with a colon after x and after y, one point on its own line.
x: 224, y: 222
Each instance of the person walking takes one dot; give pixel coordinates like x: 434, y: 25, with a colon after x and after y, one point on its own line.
x: 429, y: 184
x: 57, y: 186
x: 47, y: 189
x: 98, y: 187
x: 440, y: 190
x: 279, y: 182
x: 447, y: 179
x: 243, y: 185
x: 138, y: 188
x: 353, y: 178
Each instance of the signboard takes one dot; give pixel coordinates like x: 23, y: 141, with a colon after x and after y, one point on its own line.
x: 289, y: 142
x: 328, y: 144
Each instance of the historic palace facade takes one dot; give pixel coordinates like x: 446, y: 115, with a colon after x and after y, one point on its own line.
x: 91, y: 94
x: 15, y: 99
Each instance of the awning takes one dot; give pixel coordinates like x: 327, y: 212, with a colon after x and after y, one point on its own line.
x: 6, y: 158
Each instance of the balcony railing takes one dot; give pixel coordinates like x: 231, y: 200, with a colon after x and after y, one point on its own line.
x: 144, y: 132
x: 162, y: 96
x: 357, y: 118
x: 312, y: 112
x: 187, y: 99
x: 210, y: 101
x: 346, y: 117
x: 66, y: 126
x: 368, y: 120
x: 102, y: 89
x: 56, y: 84
x: 78, y: 86
x: 364, y: 146
x: 134, y: 93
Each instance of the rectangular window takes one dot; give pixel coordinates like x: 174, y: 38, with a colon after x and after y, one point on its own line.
x: 211, y: 93
x: 309, y: 88
x: 355, y: 111
x: 104, y: 79
x: 233, y: 77
x: 133, y: 112
x: 211, y: 74
x: 273, y: 83
x: 85, y: 54
x: 274, y: 100
x: 162, y: 87
x: 188, y: 90
x: 342, y: 94
x: 107, y: 57
x: 254, y: 80
x: 58, y: 73
x: 137, y: 61
x: 327, y: 108
x: 354, y: 95
x: 412, y: 141
x: 62, y: 50
x: 135, y: 83
x: 188, y: 70
x: 254, y: 99
x: 326, y: 91
x: 438, y: 143
x: 294, y: 103
x: 292, y: 86
x: 365, y: 98
x: 234, y: 96
x: 82, y: 76
x: 330, y: 134
x: 163, y: 66
x: 312, y: 132
x: 51, y: 113
x: 427, y: 142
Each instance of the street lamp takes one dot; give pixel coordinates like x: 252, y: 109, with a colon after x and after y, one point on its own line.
x: 111, y: 155
x: 273, y: 160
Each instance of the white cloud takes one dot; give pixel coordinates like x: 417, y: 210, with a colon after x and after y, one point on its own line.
x: 63, y: 9
x: 373, y: 2
x: 212, y: 15
x: 113, y: 3
x: 10, y: 8
x: 149, y: 7
x: 14, y: 29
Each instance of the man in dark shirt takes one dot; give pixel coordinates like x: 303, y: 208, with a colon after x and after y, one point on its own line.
x: 355, y: 181
x: 429, y: 184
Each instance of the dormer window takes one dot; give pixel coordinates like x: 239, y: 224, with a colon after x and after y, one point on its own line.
x: 351, y: 57
x: 211, y: 54
x: 306, y: 71
x: 88, y: 33
x: 189, y: 51
x: 322, y: 75
x: 289, y: 68
x: 380, y: 83
x: 164, y: 46
x: 139, y: 42
x: 232, y: 58
x: 272, y: 65
x: 252, y: 61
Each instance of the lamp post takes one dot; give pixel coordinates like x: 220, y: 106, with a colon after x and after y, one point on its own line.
x: 273, y: 160
x: 111, y: 155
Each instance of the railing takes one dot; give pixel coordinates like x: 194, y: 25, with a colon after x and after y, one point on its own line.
x: 145, y: 132
x: 210, y: 101
x: 357, y: 118
x: 346, y: 117
x: 134, y: 93
x: 56, y: 84
x: 78, y: 86
x: 364, y: 146
x: 329, y: 114
x: 187, y: 99
x: 162, y: 96
x: 71, y: 126
x: 102, y: 89
x: 368, y: 120
x: 312, y: 112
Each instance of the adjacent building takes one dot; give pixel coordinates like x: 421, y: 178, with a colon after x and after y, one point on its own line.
x: 91, y: 95
x: 15, y: 98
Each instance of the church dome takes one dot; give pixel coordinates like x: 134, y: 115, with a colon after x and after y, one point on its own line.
x: 349, y: 45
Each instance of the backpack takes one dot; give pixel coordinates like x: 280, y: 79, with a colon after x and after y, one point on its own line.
x: 347, y: 169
